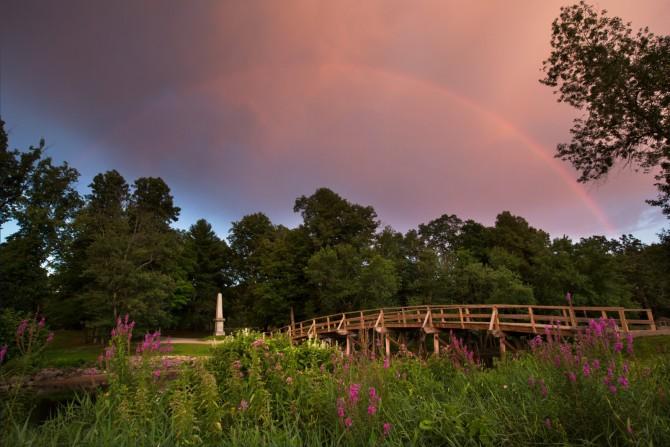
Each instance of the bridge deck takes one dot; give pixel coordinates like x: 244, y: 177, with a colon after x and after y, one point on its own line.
x: 495, y: 318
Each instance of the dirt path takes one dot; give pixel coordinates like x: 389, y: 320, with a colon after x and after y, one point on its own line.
x: 191, y: 341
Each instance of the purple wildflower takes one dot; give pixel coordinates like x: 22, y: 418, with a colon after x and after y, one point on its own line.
x: 348, y: 422
x: 50, y: 337
x: 572, y: 377
x: 618, y: 346
x: 22, y: 328
x: 387, y: 428
x: 629, y: 343
x: 354, y: 390
x: 623, y: 381
x: 372, y: 410
x: 243, y: 406
x: 586, y: 370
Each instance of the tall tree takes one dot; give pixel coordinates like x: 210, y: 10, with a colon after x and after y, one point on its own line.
x: 15, y: 169
x: 132, y: 254
x: 330, y: 220
x: 41, y: 197
x: 441, y: 234
x: 619, y: 79
x: 208, y: 261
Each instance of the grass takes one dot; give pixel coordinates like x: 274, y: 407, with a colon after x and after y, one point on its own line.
x: 69, y: 349
x: 264, y: 391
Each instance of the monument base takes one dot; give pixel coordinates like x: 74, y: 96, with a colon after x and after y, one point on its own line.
x: 218, y: 327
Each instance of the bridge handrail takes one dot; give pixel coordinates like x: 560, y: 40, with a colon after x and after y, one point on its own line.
x: 367, y: 318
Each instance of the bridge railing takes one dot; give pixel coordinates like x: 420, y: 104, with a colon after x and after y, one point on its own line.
x: 505, y: 317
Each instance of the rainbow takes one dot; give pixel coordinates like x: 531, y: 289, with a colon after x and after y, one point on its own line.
x: 501, y: 123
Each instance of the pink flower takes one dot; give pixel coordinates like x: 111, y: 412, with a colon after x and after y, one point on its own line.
x: 157, y: 373
x: 41, y: 323
x: 289, y: 380
x: 50, y: 337
x: 629, y: 343
x: 586, y: 370
x: 623, y: 381
x: 387, y: 363
x: 22, y: 328
x: 354, y: 390
x: 244, y: 405
x: 3, y: 353
x: 340, y: 412
x: 572, y: 377
x: 568, y: 298
x: 373, y: 394
x: 348, y: 422
x: 612, y: 389
x: 387, y: 428
x: 372, y: 410
x: 618, y: 346
x: 595, y: 364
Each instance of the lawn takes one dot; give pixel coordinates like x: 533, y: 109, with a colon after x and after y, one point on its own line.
x: 70, y: 350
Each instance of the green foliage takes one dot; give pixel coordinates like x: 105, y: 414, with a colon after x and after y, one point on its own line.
x: 119, y: 253
x: 207, y: 262
x: 264, y: 391
x: 619, y: 79
x: 331, y: 220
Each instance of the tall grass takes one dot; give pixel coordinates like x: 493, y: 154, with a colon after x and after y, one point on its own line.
x: 256, y: 391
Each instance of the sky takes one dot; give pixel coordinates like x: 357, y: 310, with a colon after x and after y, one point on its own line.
x: 416, y: 108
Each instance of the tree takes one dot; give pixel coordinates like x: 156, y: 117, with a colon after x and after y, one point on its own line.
x: 207, y: 261
x: 330, y: 220
x: 42, y: 199
x: 441, y: 234
x: 620, y: 81
x: 132, y: 255
x: 15, y: 169
x: 249, y: 240
x: 604, y: 283
x: 347, y: 279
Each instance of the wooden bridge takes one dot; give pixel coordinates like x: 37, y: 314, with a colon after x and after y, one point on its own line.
x: 369, y: 329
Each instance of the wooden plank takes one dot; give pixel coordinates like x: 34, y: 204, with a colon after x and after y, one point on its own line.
x: 650, y: 317
x: 460, y: 315
x: 622, y: 319
x: 494, y: 314
x: 532, y: 319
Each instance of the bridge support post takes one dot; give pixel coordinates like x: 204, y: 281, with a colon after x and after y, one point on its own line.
x: 436, y: 344
x: 387, y: 345
x: 501, y: 343
x: 347, y: 350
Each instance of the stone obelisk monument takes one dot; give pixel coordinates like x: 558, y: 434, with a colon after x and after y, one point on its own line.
x: 218, y: 321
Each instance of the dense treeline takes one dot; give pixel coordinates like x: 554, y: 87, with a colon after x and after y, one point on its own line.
x: 84, y: 260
